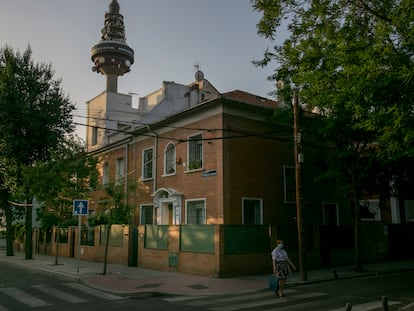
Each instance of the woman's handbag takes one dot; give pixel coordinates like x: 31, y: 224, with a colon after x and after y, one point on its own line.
x: 274, y: 283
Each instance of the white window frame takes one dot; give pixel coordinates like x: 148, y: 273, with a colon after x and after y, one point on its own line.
x: 170, y: 166
x: 141, y: 213
x: 373, y: 206
x: 409, y: 210
x: 204, y: 209
x: 105, y: 173
x: 258, y: 214
x: 193, y: 161
x: 94, y: 135
x: 119, y: 170
x: 145, y: 164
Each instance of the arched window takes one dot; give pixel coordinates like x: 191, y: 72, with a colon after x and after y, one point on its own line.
x: 105, y: 174
x: 169, y: 159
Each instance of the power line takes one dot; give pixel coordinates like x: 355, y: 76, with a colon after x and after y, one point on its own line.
x: 241, y: 134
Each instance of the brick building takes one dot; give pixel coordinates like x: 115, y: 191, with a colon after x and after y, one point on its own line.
x: 203, y: 159
x: 208, y: 177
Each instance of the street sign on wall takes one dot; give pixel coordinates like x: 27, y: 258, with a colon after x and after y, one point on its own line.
x: 80, y: 207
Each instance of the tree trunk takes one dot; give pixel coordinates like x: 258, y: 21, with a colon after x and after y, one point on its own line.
x: 9, y: 232
x: 357, y: 225
x: 57, y: 245
x: 29, y: 235
x: 4, y: 204
x: 106, y: 249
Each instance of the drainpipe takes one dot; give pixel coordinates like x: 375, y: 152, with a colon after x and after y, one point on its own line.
x: 154, y: 162
x: 126, y: 174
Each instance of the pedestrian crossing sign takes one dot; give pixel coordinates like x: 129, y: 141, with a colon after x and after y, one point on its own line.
x: 80, y: 207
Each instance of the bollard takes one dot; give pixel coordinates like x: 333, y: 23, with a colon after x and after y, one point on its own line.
x: 348, y: 307
x: 384, y: 303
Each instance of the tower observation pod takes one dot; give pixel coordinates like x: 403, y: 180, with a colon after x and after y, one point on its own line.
x: 112, y: 57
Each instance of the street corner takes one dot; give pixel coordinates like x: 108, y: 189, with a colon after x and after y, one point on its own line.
x: 120, y: 284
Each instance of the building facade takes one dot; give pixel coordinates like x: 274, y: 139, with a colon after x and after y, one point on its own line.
x: 209, y: 177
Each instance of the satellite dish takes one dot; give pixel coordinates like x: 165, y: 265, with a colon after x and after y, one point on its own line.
x: 280, y: 84
x: 199, y: 75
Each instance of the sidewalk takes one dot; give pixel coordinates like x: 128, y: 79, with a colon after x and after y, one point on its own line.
x: 124, y: 280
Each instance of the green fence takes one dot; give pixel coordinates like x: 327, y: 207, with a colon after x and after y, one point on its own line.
x: 242, y: 239
x: 116, y: 235
x: 156, y: 236
x: 197, y: 238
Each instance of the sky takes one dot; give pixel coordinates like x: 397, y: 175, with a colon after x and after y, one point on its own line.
x: 169, y: 38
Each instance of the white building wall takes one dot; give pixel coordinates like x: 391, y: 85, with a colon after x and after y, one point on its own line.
x: 113, y: 115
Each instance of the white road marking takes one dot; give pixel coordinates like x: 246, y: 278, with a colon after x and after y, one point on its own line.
x: 373, y: 305
x: 93, y: 292
x: 59, y: 294
x: 24, y: 298
x: 267, y: 302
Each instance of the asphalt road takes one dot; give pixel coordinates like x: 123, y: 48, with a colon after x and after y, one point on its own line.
x: 362, y: 294
x: 25, y: 289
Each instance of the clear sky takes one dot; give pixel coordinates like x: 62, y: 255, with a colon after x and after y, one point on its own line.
x: 169, y: 37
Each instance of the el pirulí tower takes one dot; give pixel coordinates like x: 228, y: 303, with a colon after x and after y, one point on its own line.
x: 112, y: 56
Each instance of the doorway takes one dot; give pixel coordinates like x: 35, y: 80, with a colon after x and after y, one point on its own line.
x: 167, y: 212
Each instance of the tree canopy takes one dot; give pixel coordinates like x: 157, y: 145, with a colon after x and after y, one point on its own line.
x: 352, y: 62
x: 351, y: 59
x: 34, y: 113
x: 35, y: 116
x: 69, y: 174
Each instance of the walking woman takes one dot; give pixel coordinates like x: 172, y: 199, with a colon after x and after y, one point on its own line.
x: 280, y: 266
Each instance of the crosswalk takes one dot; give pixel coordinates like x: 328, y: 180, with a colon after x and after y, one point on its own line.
x: 42, y: 295
x: 295, y: 300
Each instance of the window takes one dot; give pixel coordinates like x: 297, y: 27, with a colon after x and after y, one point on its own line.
x: 147, y: 167
x: 119, y: 171
x: 105, y: 174
x: 330, y: 214
x: 252, y: 211
x: 169, y: 159
x: 94, y: 136
x: 409, y: 210
x: 196, y: 212
x: 370, y: 210
x: 147, y: 215
x: 289, y: 183
x: 195, y: 152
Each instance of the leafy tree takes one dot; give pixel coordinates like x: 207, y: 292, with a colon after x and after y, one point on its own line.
x: 69, y: 174
x: 34, y: 116
x: 113, y: 209
x: 352, y: 61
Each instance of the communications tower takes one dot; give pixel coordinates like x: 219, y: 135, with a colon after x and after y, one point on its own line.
x: 112, y: 57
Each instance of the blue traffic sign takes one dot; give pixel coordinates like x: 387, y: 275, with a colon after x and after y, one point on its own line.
x: 80, y: 207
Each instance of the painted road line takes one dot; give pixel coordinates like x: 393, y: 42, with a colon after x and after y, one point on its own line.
x: 24, y: 298
x: 59, y: 294
x: 93, y: 292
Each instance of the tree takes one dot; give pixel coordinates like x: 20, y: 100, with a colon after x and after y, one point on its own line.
x: 34, y: 116
x: 352, y: 61
x: 69, y: 174
x: 114, y: 208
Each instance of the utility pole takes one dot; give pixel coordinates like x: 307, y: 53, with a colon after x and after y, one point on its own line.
x: 298, y: 178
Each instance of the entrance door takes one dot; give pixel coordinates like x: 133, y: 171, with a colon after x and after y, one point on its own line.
x: 167, y: 213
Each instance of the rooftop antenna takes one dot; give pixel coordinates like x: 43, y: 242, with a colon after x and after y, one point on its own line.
x: 199, y: 75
